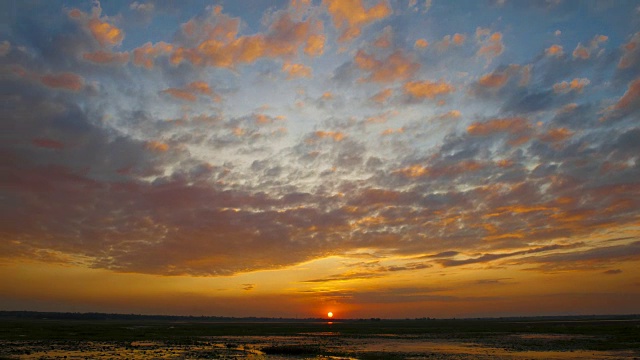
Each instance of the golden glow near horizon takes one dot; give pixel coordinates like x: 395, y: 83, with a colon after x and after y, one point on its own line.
x: 299, y: 158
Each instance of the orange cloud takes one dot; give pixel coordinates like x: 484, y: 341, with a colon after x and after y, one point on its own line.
x: 219, y: 46
x: 67, y: 81
x: 238, y: 131
x: 461, y: 167
x: 315, y: 45
x: 413, y: 171
x: 335, y: 135
x: 396, y: 66
x: 597, y: 40
x: 491, y: 44
x: 421, y: 43
x: 514, y: 125
x: 576, y: 84
x: 498, y: 79
x: 191, y: 91
x: 106, y: 57
x: 349, y: 16
x: 494, y: 80
x: 380, y: 119
x: 300, y: 6
x: 384, y: 40
x: 392, y: 131
x: 157, y: 146
x: 504, y: 163
x: 427, y: 89
x: 453, y: 114
x: 449, y: 40
x: 459, y: 39
x: 296, y: 70
x: 556, y: 135
x: 200, y: 87
x: 554, y: 50
x: 146, y: 54
x: 630, y: 52
x: 630, y: 97
x: 105, y: 33
x: 581, y: 52
x: 181, y: 94
x: 382, y: 96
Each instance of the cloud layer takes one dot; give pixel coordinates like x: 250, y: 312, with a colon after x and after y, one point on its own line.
x: 220, y: 144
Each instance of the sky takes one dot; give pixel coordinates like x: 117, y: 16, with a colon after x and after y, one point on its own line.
x: 373, y: 158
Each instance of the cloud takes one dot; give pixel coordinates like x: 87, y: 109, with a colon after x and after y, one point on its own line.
x: 145, y: 55
x: 315, y: 45
x: 160, y: 180
x: 630, y: 52
x: 582, y: 52
x: 427, y: 89
x: 296, y: 70
x: 214, y: 41
x: 248, y: 287
x: 370, y: 271
x: 349, y: 16
x: 192, y: 91
x: 494, y: 80
x: 335, y: 135
x: 485, y: 258
x: 385, y: 39
x: 500, y: 81
x: 518, y: 129
x: 612, y: 272
x: 65, y: 81
x: 157, y: 146
x: 106, y: 34
x: 382, y: 96
x: 106, y: 57
x: 593, y: 258
x: 144, y: 8
x: 626, y: 104
x: 554, y: 50
x: 421, y: 44
x: 450, y: 115
x: 392, y: 131
x: 631, y: 98
x: 451, y: 40
x: 493, y: 126
x: 576, y: 85
x: 556, y: 135
x: 395, y: 67
x: 491, y: 45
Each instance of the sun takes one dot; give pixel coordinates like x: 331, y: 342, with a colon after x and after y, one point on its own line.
x: 330, y: 314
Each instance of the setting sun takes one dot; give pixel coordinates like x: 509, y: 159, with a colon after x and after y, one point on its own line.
x: 330, y: 314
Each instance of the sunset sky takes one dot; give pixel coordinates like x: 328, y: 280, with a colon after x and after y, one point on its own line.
x: 383, y: 158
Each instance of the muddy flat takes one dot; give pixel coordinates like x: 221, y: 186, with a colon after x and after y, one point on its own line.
x: 143, y: 338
